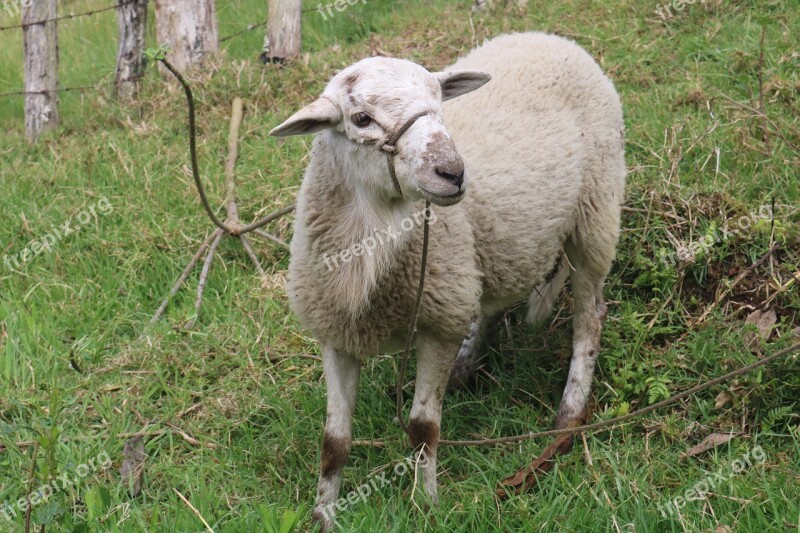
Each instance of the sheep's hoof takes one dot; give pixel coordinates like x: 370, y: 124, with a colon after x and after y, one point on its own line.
x: 322, y: 520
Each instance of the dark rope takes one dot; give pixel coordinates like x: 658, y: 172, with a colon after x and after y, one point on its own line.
x: 412, y: 325
x: 390, y: 147
x: 193, y: 147
x: 623, y: 418
x: 239, y: 230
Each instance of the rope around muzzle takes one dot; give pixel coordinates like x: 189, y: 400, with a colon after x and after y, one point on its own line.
x: 390, y: 148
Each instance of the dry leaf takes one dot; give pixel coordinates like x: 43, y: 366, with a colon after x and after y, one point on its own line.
x: 712, y: 441
x: 723, y: 399
x: 526, y: 478
x: 722, y: 529
x: 764, y: 322
x: 132, y: 468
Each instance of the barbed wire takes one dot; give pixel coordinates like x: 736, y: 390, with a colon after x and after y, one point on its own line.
x: 247, y: 29
x: 251, y: 27
x: 70, y: 16
x: 59, y: 90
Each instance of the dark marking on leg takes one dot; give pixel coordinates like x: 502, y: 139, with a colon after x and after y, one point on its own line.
x: 423, y: 432
x: 570, y: 420
x: 335, y: 451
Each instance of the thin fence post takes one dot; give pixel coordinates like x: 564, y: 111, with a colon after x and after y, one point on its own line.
x: 283, y: 29
x: 40, y: 48
x: 132, y: 23
x: 189, y: 28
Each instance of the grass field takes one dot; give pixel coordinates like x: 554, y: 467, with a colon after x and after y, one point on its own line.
x: 711, y: 103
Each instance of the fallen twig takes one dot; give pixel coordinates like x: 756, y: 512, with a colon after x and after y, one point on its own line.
x: 194, y: 509
x: 173, y: 429
x: 369, y: 442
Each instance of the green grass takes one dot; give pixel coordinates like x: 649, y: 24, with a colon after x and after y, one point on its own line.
x: 75, y: 372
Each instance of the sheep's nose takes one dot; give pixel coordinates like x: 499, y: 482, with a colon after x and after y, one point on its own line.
x: 452, y: 172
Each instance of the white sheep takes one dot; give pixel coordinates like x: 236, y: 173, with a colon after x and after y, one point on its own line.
x: 544, y: 152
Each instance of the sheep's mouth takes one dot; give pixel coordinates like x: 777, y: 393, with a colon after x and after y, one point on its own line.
x: 443, y: 200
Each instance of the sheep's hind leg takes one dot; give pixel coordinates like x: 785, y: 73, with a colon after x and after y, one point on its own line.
x: 589, y: 314
x: 469, y: 354
x: 591, y: 268
x: 341, y: 377
x: 434, y: 364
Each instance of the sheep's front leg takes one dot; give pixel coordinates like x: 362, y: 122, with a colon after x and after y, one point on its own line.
x: 434, y: 363
x: 341, y: 377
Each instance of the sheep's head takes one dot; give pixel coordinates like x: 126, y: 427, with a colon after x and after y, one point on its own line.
x: 367, y: 104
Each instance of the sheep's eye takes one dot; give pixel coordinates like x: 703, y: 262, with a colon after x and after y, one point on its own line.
x: 362, y: 120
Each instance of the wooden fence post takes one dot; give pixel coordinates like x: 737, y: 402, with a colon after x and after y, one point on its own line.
x: 189, y: 28
x: 132, y: 23
x: 283, y: 29
x: 40, y: 46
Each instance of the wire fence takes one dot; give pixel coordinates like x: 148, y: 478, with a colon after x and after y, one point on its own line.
x: 66, y: 17
x: 247, y: 29
x: 59, y: 90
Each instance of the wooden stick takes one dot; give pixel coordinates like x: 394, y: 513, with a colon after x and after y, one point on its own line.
x: 181, y: 279
x: 230, y: 163
x: 271, y: 237
x: 193, y: 508
x: 201, y: 286
x: 369, y: 442
x: 232, y: 225
x: 252, y: 254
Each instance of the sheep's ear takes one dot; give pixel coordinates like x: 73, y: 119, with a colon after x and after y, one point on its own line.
x: 316, y: 116
x: 460, y: 82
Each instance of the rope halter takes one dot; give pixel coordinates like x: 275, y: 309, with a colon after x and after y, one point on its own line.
x: 390, y: 147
